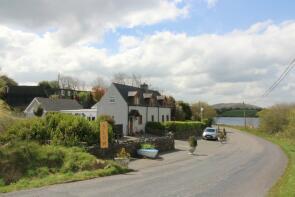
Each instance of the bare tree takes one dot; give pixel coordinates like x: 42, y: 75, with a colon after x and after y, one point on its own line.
x: 136, y: 80
x: 120, y: 78
x: 99, y: 82
x: 68, y: 82
x: 123, y: 78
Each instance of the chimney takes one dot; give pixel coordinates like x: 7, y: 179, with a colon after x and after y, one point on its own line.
x: 144, y: 86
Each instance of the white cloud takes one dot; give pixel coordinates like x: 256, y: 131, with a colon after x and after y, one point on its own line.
x: 216, y: 68
x: 85, y: 21
x: 211, y: 3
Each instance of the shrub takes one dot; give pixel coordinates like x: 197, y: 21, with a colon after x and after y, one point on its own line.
x: 78, y: 160
x: 29, y: 159
x: 123, y: 153
x: 192, y: 141
x: 29, y: 129
x: 289, y: 130
x: 60, y: 129
x: 275, y: 118
x: 147, y: 146
x: 38, y: 111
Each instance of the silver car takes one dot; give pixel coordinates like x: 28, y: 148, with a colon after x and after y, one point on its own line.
x: 210, y: 133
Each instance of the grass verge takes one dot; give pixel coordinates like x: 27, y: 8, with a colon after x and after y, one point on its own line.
x: 285, y: 186
x: 27, y: 183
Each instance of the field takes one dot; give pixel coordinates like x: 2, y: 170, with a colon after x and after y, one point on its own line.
x: 239, y: 113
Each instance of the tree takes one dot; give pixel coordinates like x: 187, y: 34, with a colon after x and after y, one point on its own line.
x: 39, y: 111
x: 123, y: 78
x: 85, y: 99
x: 179, y: 113
x: 99, y: 82
x: 186, y: 110
x: 97, y: 93
x: 49, y: 84
x: 120, y: 78
x: 5, y: 81
x: 136, y: 80
x: 275, y: 118
x: 170, y: 102
x: 207, y: 113
x: 68, y: 82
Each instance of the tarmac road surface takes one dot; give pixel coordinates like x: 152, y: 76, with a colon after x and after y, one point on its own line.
x: 245, y: 166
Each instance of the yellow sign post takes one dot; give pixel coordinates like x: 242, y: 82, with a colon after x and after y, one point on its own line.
x: 104, y: 135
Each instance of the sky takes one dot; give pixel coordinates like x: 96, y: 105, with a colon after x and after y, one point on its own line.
x: 209, y: 50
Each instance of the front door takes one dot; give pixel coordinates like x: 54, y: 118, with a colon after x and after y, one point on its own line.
x: 130, y: 125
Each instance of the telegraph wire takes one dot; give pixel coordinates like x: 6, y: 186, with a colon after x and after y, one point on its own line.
x: 282, y: 76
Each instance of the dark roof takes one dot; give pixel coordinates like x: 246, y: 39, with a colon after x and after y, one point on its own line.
x: 58, y: 104
x: 124, y: 89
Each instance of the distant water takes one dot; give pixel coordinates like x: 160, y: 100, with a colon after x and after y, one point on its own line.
x: 251, y: 122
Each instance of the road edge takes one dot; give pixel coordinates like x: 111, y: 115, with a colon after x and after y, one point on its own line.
x: 275, y: 187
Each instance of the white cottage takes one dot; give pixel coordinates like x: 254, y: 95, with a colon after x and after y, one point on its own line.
x: 132, y: 107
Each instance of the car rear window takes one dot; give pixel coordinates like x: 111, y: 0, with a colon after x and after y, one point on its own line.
x: 210, y: 130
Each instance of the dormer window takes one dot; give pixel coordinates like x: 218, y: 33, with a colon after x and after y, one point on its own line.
x: 134, y: 97
x: 148, y: 98
x: 132, y: 93
x: 161, y: 100
x: 147, y: 95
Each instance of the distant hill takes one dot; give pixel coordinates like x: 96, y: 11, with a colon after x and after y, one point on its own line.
x: 235, y: 106
x: 236, y: 110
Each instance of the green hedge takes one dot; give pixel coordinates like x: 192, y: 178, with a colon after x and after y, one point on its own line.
x: 30, y: 159
x: 183, y: 130
x: 58, y: 128
x: 155, y: 128
x: 180, y: 129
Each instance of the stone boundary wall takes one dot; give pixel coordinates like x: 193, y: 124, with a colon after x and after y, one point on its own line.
x: 163, y: 144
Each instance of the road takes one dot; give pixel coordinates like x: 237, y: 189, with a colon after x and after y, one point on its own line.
x: 245, y: 166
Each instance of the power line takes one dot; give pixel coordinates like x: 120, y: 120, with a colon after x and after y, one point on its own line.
x: 282, y: 76
x: 277, y: 82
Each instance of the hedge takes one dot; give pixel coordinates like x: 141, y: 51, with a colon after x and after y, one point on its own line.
x: 155, y: 128
x: 56, y: 128
x: 180, y: 129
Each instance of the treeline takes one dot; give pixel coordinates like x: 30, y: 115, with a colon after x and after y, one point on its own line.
x: 197, y: 111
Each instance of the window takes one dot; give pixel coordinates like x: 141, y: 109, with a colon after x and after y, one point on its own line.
x: 62, y: 92
x: 93, y: 118
x: 136, y: 100
x: 163, y: 118
x: 167, y: 117
x: 112, y: 99
x: 140, y: 120
x: 152, y: 118
x: 69, y: 93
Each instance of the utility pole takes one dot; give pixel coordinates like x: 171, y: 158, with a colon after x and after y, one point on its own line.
x: 245, y: 123
x: 202, y: 109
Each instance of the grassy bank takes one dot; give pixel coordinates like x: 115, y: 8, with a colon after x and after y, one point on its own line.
x: 25, y: 165
x: 285, y: 186
x: 28, y: 160
x: 28, y: 183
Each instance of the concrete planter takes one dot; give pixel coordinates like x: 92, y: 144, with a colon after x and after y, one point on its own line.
x: 150, y: 153
x: 122, y: 161
x: 191, y: 150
